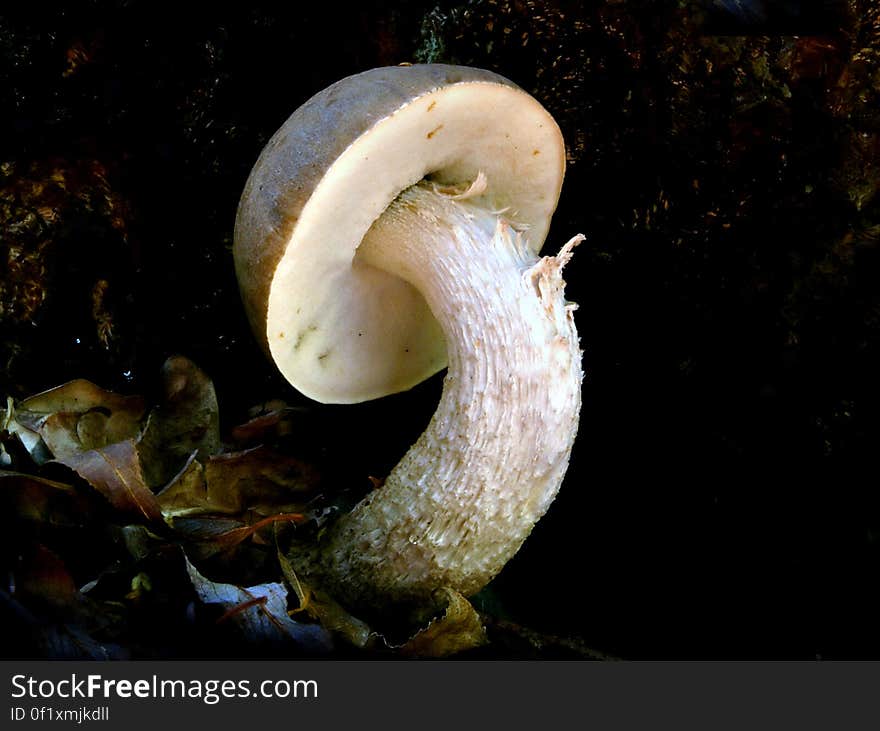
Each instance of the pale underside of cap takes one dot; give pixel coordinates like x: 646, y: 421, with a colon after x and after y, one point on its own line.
x: 339, y: 330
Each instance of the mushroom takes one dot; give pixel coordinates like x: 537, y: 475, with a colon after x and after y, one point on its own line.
x: 391, y: 227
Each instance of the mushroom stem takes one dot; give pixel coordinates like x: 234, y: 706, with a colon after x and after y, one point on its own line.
x: 465, y: 496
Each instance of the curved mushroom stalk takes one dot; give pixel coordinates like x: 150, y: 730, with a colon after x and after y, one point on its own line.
x: 466, y: 495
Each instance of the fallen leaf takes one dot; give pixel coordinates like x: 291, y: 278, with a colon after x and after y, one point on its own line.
x: 237, y: 535
x: 95, y: 429
x: 321, y: 606
x: 279, y: 423
x: 259, y: 479
x: 80, y: 396
x: 58, y: 432
x: 67, y: 433
x: 45, y: 501
x: 208, y: 536
x: 115, y: 472
x: 75, y: 417
x: 28, y: 437
x: 458, y: 629
x: 186, y: 421
x: 205, y: 529
x: 200, y: 534
x: 260, y: 612
x: 187, y: 492
x: 42, y: 575
x: 139, y: 541
x: 141, y: 585
x: 55, y: 618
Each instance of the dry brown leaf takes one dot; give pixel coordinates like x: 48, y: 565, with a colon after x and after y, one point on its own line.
x: 58, y: 432
x: 205, y: 529
x: 281, y: 422
x: 43, y: 575
x: 186, y: 421
x: 74, y: 417
x: 115, y: 472
x: 66, y: 433
x: 45, y: 501
x: 458, y: 629
x: 26, y: 434
x: 259, y: 480
x: 56, y: 614
x: 187, y: 492
x: 96, y: 429
x: 80, y: 396
x: 321, y: 606
x: 201, y: 535
x: 208, y: 536
x: 237, y: 535
x: 206, y: 522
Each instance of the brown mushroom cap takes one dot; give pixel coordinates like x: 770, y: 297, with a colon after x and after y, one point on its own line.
x: 339, y: 330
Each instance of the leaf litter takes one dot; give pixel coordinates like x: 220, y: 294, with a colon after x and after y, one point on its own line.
x: 174, y: 536
x: 260, y: 612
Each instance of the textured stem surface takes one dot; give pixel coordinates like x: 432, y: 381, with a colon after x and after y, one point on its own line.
x: 467, y: 493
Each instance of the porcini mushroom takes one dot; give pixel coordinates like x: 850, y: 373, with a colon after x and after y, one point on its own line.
x: 389, y: 228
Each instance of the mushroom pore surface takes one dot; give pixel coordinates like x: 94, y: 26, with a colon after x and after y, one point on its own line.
x: 344, y: 334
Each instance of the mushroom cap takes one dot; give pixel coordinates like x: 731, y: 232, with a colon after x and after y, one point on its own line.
x: 339, y: 330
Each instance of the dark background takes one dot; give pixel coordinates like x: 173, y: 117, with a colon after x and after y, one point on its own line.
x: 723, y: 162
